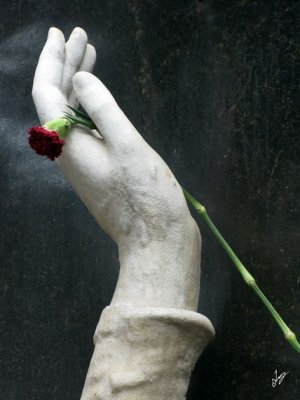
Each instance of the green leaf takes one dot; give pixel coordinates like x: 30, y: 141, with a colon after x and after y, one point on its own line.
x: 79, y: 113
x: 82, y: 121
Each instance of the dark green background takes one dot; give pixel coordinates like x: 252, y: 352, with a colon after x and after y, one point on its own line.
x: 213, y: 86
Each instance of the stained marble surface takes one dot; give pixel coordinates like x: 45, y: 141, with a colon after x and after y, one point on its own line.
x: 213, y: 86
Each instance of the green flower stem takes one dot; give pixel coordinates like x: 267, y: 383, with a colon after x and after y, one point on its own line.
x: 248, y: 278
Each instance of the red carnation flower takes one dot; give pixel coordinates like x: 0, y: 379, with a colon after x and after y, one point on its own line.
x: 45, y: 142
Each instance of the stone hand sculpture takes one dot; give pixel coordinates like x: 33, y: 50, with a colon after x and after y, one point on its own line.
x: 149, y: 338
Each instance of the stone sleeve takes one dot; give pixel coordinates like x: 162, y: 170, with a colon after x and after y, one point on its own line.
x: 145, y: 353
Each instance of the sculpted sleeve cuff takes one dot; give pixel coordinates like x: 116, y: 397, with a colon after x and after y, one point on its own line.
x: 145, y: 353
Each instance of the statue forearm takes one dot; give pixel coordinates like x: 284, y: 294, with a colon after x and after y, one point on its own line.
x: 163, y: 273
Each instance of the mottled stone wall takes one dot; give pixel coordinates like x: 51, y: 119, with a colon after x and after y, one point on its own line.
x: 213, y: 86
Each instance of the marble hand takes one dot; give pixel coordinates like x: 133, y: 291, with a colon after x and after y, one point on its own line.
x: 124, y: 183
